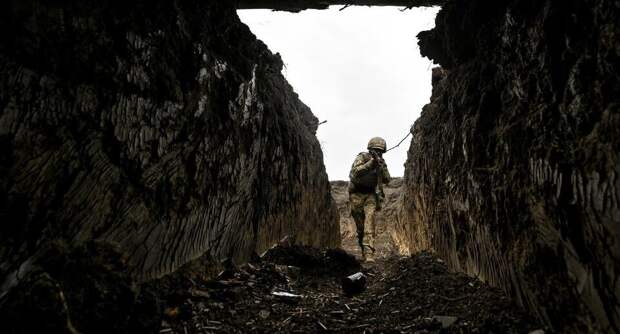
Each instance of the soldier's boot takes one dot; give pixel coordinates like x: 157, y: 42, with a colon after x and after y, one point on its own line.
x: 369, y: 253
x: 370, y: 258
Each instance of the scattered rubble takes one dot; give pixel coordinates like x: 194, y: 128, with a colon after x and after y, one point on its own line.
x: 299, y: 289
x: 287, y: 297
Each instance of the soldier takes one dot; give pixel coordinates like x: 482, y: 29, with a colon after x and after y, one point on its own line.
x: 368, y: 174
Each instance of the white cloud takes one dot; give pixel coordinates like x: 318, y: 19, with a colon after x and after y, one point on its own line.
x: 360, y: 69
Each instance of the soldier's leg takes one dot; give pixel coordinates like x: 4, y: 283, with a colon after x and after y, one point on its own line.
x: 357, y: 212
x: 369, y: 222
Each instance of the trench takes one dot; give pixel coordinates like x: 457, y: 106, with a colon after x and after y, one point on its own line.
x: 158, y: 174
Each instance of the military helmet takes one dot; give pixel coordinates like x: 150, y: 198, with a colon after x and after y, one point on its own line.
x: 377, y: 143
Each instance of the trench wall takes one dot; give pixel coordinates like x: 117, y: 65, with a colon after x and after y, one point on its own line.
x: 162, y: 127
x: 513, y: 172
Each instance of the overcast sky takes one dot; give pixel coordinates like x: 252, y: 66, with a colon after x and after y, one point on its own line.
x: 360, y: 69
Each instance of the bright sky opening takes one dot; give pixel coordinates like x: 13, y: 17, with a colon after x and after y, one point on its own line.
x: 360, y: 69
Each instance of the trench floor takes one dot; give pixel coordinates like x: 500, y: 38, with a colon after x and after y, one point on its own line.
x: 414, y: 294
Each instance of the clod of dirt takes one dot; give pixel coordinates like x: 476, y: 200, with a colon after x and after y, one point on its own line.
x: 354, y: 284
x: 446, y: 321
x: 331, y: 262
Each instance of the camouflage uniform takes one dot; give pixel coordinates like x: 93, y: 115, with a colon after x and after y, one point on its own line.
x: 366, y: 197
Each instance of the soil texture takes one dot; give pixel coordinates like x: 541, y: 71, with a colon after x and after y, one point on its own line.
x: 298, y: 290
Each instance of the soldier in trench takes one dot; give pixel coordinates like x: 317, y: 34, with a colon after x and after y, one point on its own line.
x: 368, y: 174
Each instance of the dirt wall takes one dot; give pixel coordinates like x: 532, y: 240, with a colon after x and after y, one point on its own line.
x: 513, y: 170
x: 164, y: 128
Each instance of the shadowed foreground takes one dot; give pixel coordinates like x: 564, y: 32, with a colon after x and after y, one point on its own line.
x: 406, y: 294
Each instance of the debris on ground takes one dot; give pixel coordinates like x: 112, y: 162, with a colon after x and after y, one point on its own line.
x: 354, y: 284
x: 299, y: 290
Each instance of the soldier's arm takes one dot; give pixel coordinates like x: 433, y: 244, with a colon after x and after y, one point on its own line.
x: 386, y: 174
x: 360, y: 166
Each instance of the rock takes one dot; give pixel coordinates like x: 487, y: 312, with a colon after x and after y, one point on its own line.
x: 199, y: 293
x: 354, y: 284
x: 446, y: 321
x: 264, y: 314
